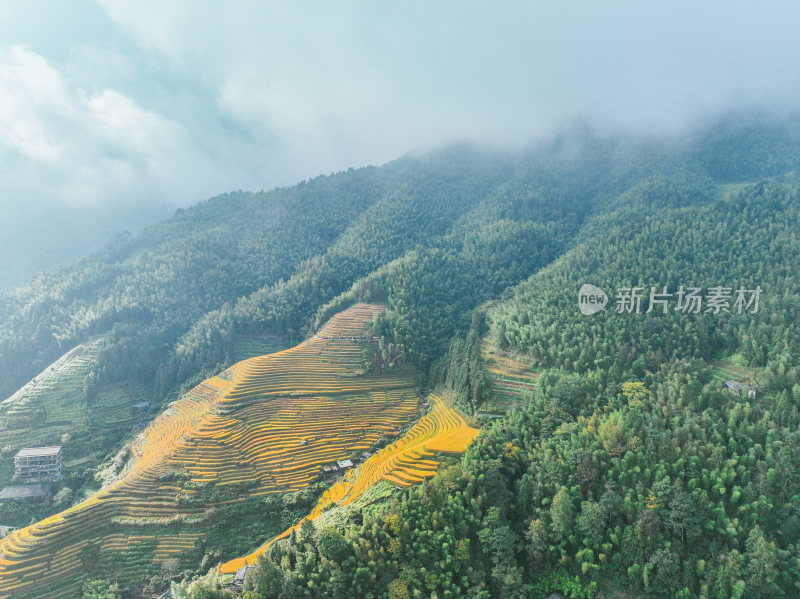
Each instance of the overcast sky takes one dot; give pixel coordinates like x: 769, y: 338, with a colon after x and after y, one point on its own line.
x: 123, y: 102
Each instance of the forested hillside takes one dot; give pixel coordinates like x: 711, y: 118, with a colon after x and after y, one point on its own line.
x: 631, y: 468
x: 626, y: 466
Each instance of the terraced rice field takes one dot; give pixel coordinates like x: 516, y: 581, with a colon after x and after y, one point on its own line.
x: 513, y: 380
x: 55, y: 402
x: 54, y: 396
x: 266, y: 425
x: 249, y: 347
x: 405, y: 462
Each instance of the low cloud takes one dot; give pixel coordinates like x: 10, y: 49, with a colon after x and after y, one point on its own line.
x: 78, y: 147
x: 126, y: 102
x: 33, y: 103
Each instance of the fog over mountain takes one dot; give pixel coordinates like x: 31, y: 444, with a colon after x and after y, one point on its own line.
x: 114, y: 113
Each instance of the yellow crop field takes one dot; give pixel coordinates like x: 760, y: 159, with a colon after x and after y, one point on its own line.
x: 266, y: 425
x: 407, y: 461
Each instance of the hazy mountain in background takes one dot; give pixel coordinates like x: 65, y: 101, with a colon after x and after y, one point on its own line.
x: 39, y: 239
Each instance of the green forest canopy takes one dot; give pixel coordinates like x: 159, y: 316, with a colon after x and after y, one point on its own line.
x: 628, y: 468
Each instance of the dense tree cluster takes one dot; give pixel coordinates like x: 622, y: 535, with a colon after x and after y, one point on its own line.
x: 747, y: 239
x: 171, y: 301
x: 679, y: 490
x: 630, y: 468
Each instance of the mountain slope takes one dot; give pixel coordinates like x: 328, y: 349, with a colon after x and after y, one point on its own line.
x: 407, y: 461
x: 629, y: 467
x: 265, y: 426
x: 623, y: 444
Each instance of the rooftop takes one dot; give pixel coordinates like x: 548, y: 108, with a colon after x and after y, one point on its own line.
x: 30, y: 452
